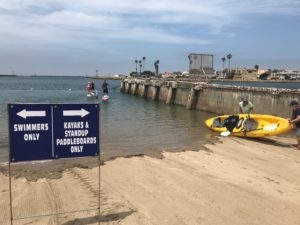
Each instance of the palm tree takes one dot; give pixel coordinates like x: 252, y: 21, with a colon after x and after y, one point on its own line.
x: 136, y: 62
x: 96, y: 73
x: 144, y: 59
x: 256, y: 67
x: 229, y: 56
x: 223, y: 60
x: 156, y: 67
x: 140, y: 62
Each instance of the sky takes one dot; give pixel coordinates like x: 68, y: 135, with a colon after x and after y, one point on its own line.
x: 78, y: 37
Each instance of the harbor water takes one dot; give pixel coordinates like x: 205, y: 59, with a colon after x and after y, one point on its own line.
x: 129, y: 124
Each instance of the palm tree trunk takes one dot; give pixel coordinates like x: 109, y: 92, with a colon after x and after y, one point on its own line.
x: 229, y: 68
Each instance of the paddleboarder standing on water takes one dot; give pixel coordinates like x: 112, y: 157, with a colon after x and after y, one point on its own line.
x: 295, y: 119
x: 246, y: 107
x: 105, y: 87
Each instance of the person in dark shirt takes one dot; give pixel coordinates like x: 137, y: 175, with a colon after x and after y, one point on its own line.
x: 105, y: 87
x: 295, y: 119
x: 90, y: 87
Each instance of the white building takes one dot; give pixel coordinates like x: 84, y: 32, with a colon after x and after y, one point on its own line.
x: 286, y: 75
x: 200, y: 63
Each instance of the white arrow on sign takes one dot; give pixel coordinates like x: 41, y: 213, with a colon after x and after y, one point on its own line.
x: 24, y: 113
x: 81, y: 112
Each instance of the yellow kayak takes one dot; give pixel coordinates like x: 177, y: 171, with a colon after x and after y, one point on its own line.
x: 253, y: 125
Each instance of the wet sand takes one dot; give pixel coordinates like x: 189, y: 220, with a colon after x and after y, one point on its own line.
x: 235, y: 181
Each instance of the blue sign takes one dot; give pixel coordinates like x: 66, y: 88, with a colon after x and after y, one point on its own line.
x: 49, y: 131
x: 30, y: 128
x: 76, y: 130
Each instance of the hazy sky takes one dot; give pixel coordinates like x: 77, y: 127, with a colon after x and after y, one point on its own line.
x: 76, y: 37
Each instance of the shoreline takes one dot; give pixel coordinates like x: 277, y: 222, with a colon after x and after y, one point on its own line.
x: 192, y: 79
x: 231, y: 181
x: 54, y: 169
x: 107, y: 156
x: 255, y: 81
x: 200, y: 79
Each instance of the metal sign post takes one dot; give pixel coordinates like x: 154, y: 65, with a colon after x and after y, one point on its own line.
x: 52, y: 131
x: 99, y: 186
x: 10, y: 195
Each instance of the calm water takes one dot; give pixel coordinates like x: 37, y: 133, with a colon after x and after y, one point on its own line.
x: 129, y: 125
x: 294, y: 85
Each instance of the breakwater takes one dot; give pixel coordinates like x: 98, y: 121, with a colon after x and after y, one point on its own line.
x: 213, y: 98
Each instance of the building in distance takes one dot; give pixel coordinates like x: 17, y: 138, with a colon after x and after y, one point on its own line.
x: 201, y: 64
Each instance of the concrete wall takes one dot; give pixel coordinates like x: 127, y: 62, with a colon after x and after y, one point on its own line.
x: 150, y: 91
x: 140, y: 88
x: 163, y: 93
x: 223, y: 100
x: 181, y: 96
x: 216, y: 98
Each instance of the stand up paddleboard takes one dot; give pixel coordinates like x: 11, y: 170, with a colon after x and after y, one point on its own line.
x: 105, y: 98
x: 93, y: 94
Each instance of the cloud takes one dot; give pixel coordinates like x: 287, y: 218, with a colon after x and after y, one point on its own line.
x: 158, y: 21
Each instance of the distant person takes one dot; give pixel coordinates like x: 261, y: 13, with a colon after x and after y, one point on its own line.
x: 105, y: 87
x: 90, y: 87
x: 246, y: 107
x: 295, y: 119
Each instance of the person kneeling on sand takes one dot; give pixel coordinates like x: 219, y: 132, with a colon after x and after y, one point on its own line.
x: 295, y: 119
x: 246, y: 107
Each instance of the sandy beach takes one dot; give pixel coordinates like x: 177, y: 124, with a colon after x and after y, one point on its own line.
x: 232, y: 181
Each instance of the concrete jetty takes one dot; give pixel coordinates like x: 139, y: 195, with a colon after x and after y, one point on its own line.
x: 213, y: 98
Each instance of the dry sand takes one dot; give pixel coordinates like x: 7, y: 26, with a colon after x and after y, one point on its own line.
x: 235, y: 181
